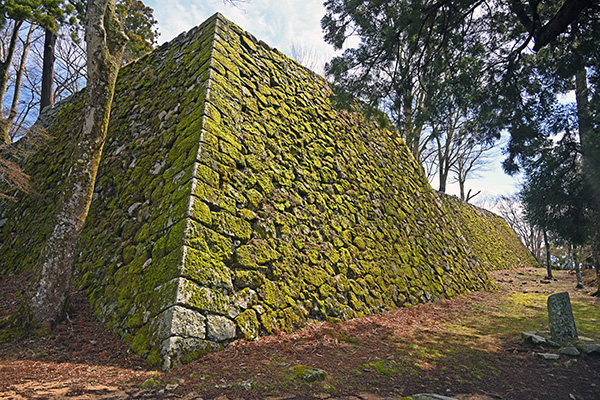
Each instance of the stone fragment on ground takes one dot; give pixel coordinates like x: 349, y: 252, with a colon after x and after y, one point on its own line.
x: 309, y: 374
x: 570, y: 351
x: 533, y: 337
x: 538, y: 338
x: 548, y: 356
x: 574, y: 348
x: 590, y: 348
x: 426, y: 396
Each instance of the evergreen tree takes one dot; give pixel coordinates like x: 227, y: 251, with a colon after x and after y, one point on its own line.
x: 479, y: 52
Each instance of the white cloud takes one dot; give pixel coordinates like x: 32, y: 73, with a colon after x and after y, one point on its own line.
x: 280, y: 23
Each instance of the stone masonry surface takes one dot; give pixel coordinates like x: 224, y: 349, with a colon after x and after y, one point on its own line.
x: 234, y: 199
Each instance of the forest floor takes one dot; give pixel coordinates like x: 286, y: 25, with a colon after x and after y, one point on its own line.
x: 469, y: 348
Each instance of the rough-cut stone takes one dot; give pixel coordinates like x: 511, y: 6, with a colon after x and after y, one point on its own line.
x: 179, y: 321
x: 548, y: 356
x: 175, y: 351
x: 590, y: 348
x: 560, y: 316
x: 570, y: 351
x: 220, y: 328
x: 533, y: 337
x: 539, y: 338
x: 235, y: 198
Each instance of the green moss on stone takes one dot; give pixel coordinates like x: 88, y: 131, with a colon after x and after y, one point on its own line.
x: 252, y: 181
x: 248, y: 325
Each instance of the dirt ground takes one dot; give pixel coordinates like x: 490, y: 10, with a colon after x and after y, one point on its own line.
x: 468, y: 348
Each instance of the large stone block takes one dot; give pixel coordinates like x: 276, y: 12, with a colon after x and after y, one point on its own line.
x: 560, y: 316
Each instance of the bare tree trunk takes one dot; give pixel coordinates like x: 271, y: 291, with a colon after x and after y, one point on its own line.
x: 443, y: 162
x: 548, y: 255
x: 590, y: 144
x: 14, y: 108
x: 45, y: 302
x: 4, y: 69
x: 47, y: 96
x: 576, y: 260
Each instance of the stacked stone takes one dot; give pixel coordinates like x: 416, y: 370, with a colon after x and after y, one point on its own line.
x: 234, y: 199
x: 491, y: 239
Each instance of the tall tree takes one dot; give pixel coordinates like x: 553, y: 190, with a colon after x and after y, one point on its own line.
x: 478, y: 49
x: 45, y: 302
x: 472, y: 157
x: 44, y: 13
x: 555, y: 197
x: 19, y: 72
x: 139, y: 25
x: 47, y: 93
x: 427, y: 86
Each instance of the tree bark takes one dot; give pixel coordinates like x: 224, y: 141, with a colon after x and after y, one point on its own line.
x: 577, y: 262
x: 548, y: 255
x: 47, y: 96
x: 590, y: 143
x: 4, y: 69
x: 596, y: 259
x: 565, y: 16
x: 14, y: 108
x: 45, y: 302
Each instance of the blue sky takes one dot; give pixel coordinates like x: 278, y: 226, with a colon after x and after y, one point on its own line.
x: 281, y: 24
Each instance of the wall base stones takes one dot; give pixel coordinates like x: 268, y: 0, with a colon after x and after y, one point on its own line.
x: 234, y: 199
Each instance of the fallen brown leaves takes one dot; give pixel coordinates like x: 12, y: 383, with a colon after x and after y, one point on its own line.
x: 464, y: 347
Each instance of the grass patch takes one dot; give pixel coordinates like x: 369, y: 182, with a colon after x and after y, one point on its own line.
x: 587, y: 319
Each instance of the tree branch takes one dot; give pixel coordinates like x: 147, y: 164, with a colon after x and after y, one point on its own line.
x: 568, y: 13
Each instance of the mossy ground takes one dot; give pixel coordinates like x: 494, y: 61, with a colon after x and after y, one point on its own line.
x: 471, y: 344
x: 467, y: 345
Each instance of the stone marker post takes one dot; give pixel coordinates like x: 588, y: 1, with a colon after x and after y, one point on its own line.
x: 560, y: 315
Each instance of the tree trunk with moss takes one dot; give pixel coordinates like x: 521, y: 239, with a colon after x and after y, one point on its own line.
x: 44, y: 305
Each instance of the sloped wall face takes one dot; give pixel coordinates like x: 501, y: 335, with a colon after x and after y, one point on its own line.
x: 234, y: 199
x: 315, y: 213
x: 131, y: 251
x: 26, y: 223
x: 494, y: 243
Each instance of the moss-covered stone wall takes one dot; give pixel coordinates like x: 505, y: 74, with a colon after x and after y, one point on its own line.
x: 234, y: 199
x: 494, y: 243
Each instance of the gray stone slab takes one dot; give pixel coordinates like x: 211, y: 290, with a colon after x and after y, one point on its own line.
x: 548, y: 356
x: 560, y: 317
x: 590, y: 348
x: 533, y: 337
x: 570, y: 351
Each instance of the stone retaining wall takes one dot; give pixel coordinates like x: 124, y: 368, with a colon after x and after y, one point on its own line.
x: 235, y: 199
